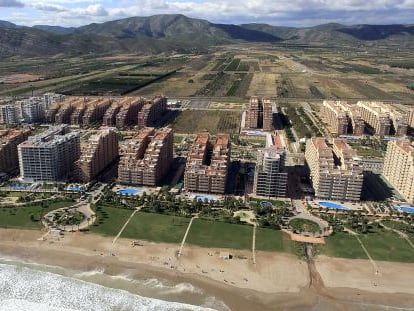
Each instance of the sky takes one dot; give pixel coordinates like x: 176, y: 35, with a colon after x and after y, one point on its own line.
x: 275, y: 12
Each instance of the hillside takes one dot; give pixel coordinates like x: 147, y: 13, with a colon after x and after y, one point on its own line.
x: 168, y: 33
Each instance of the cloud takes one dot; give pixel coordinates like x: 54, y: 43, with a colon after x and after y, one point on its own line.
x: 277, y: 12
x: 11, y: 4
x: 48, y: 7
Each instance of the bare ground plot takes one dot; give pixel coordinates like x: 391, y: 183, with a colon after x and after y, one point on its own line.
x: 395, y: 87
x: 367, y: 90
x: 214, y: 121
x: 333, y: 88
x: 263, y: 84
x: 180, y: 84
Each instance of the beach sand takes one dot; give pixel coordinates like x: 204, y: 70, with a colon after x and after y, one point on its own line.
x: 277, y: 282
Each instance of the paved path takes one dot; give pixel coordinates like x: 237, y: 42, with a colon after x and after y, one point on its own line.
x: 304, y: 214
x: 125, y: 224
x: 180, y: 251
x: 254, y: 244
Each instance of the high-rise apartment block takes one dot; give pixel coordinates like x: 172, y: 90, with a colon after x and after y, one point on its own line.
x: 128, y: 114
x: 271, y: 178
x: 207, y: 164
x: 9, y: 140
x: 342, y: 118
x: 9, y: 114
x: 338, y: 177
x: 335, y: 116
x: 100, y: 151
x: 260, y: 114
x: 399, y: 167
x: 384, y: 119
x: 51, y: 98
x: 49, y: 156
x: 151, y: 111
x: 147, y: 157
x: 32, y: 110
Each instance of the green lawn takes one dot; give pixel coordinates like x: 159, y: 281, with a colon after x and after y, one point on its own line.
x: 109, y: 220
x: 388, y: 246
x: 220, y: 234
x: 20, y: 217
x: 156, y: 227
x: 342, y: 245
x: 273, y: 241
x: 382, y: 245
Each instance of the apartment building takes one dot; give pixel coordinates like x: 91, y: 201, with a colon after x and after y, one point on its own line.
x: 271, y: 178
x: 376, y: 116
x: 151, y: 111
x: 109, y: 118
x: 399, y: 168
x: 335, y: 116
x: 335, y: 172
x: 95, y: 111
x: 129, y: 111
x: 49, y: 156
x: 9, y: 114
x: 354, y: 118
x: 147, y: 157
x: 100, y: 151
x: 9, y: 140
x: 260, y: 114
x: 207, y: 164
x: 51, y: 98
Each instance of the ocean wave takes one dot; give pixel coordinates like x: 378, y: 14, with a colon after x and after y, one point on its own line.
x: 22, y: 288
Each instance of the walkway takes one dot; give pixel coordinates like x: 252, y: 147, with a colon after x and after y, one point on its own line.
x: 254, y: 244
x: 401, y: 234
x: 304, y: 214
x: 180, y: 251
x: 374, y: 264
x: 125, y: 224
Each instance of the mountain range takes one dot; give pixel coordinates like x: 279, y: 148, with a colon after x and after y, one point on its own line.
x: 179, y: 33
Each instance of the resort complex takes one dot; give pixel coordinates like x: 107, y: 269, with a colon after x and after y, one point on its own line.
x: 335, y: 171
x: 207, y: 164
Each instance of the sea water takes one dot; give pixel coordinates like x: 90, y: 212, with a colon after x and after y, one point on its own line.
x: 30, y: 287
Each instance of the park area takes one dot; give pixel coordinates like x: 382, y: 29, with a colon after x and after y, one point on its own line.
x: 382, y: 245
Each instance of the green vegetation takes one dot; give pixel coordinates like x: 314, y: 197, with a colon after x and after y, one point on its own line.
x: 235, y: 86
x: 156, y: 227
x: 381, y: 245
x: 343, y: 245
x: 195, y: 121
x: 109, y: 220
x: 28, y: 217
x: 316, y: 92
x: 273, y: 241
x: 304, y: 225
x: 219, y: 234
x: 233, y: 65
x: 359, y: 68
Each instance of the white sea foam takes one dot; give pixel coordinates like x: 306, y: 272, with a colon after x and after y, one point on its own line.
x: 24, y: 289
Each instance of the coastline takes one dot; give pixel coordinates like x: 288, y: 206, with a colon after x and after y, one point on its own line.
x: 277, y: 282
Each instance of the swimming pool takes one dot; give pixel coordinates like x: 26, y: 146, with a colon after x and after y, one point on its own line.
x: 266, y: 204
x: 20, y: 186
x: 405, y: 209
x: 75, y: 189
x: 331, y: 205
x: 203, y: 198
x: 129, y: 191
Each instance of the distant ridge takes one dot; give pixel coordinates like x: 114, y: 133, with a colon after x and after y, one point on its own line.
x: 179, y: 33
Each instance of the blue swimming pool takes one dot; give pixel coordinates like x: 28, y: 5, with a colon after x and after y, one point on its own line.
x: 331, y: 205
x: 405, y: 209
x: 129, y: 191
x: 75, y: 189
x: 20, y: 186
x: 266, y: 204
x: 204, y: 197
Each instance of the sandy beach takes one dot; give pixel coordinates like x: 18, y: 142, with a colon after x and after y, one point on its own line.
x: 277, y: 282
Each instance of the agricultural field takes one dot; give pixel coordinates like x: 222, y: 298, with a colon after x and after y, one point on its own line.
x: 215, y: 121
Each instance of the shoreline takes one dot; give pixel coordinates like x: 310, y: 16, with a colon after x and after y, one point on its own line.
x: 272, y: 285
